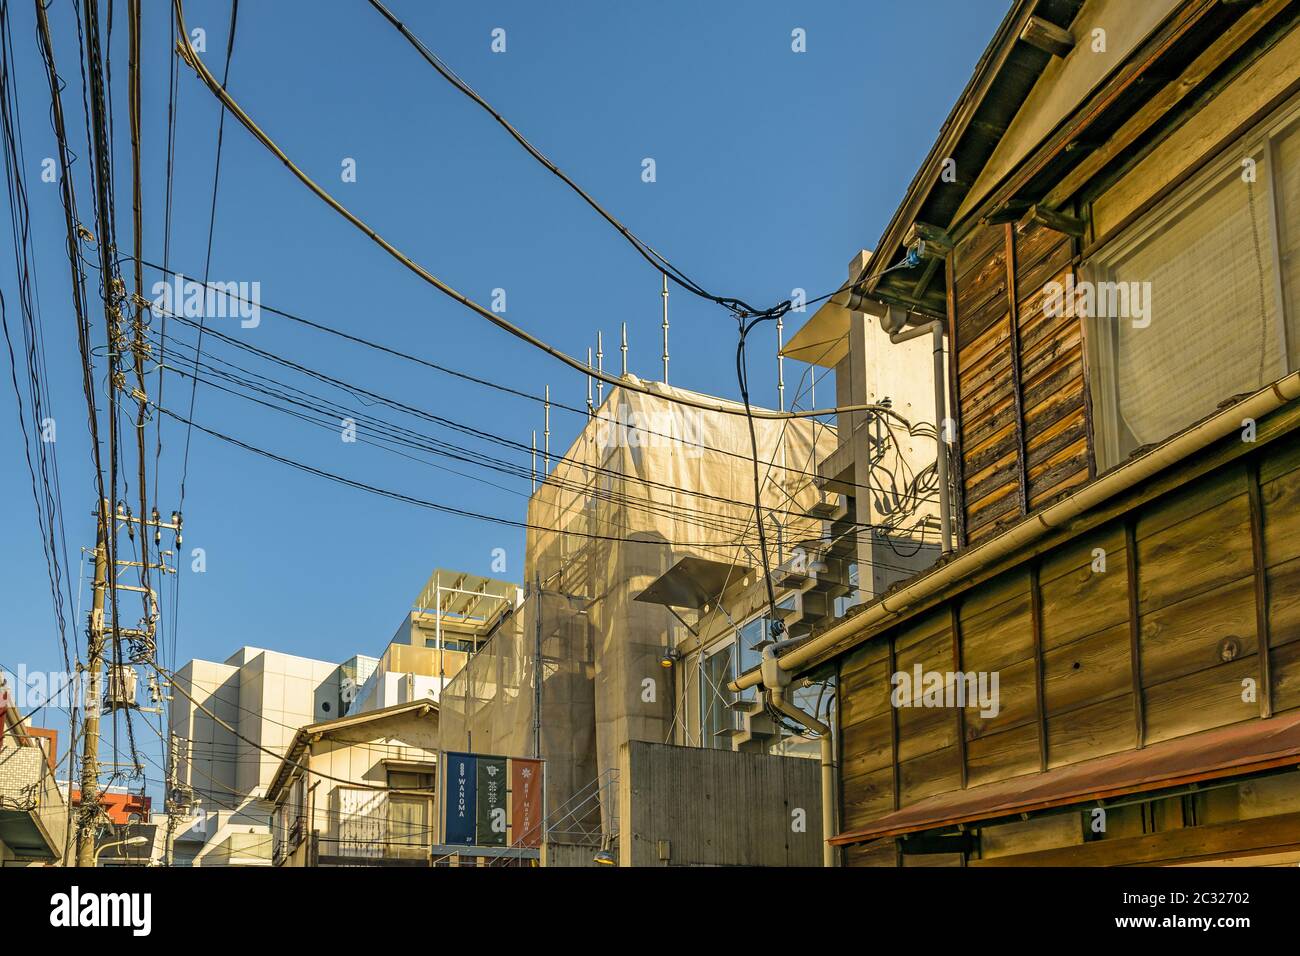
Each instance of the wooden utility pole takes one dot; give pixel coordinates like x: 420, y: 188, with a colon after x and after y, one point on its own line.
x: 91, y: 705
x: 169, y: 800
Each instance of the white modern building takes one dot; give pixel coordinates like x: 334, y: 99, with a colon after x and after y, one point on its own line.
x: 254, y: 699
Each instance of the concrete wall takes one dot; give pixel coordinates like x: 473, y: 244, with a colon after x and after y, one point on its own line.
x: 266, y: 696
x: 877, y: 370
x: 569, y: 854
x: 700, y: 807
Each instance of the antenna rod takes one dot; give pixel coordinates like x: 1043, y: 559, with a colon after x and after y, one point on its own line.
x: 780, y: 363
x: 534, y: 472
x: 547, y: 434
x: 623, y: 347
x: 665, y: 295
x: 600, y: 367
x: 590, y: 408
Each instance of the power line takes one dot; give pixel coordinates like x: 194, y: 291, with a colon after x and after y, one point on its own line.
x: 212, y: 221
x: 192, y: 58
x: 283, y: 758
x: 649, y: 254
x: 336, y: 409
x: 922, y: 429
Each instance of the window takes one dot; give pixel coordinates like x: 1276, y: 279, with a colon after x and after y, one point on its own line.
x: 753, y: 633
x: 718, y: 670
x: 408, y: 823
x: 410, y: 780
x: 1199, y: 301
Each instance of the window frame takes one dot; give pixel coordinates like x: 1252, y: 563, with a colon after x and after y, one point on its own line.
x: 1100, y: 335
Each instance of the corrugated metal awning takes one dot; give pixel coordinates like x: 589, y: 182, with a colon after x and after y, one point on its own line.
x: 1248, y: 747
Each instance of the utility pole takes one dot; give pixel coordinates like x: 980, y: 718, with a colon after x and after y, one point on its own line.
x: 169, y: 800
x: 101, y: 631
x: 91, y: 705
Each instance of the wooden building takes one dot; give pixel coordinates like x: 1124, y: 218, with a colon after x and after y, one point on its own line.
x: 1109, y: 230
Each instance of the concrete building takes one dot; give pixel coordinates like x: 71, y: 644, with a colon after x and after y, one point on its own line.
x: 33, y: 814
x: 645, y: 597
x: 358, y: 790
x: 454, y: 614
x: 222, y: 777
x: 886, y: 465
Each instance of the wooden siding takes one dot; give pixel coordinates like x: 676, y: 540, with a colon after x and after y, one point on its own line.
x: 1019, y: 380
x: 1178, y: 617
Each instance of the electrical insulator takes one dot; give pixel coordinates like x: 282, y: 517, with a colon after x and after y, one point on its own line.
x: 130, y: 527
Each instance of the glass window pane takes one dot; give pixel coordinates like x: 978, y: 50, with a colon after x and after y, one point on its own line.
x: 406, y: 821
x: 1188, y: 313
x: 719, y: 670
x: 1287, y: 184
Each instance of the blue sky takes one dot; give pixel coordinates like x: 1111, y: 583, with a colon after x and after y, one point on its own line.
x: 772, y: 169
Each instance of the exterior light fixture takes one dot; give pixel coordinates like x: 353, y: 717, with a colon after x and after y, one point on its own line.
x: 605, y: 856
x: 669, y: 657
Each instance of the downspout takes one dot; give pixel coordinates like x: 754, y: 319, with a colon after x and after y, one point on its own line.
x: 779, y: 681
x: 1020, y: 536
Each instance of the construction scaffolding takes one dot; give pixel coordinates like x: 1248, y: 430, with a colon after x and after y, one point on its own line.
x: 647, y: 485
x: 496, y: 705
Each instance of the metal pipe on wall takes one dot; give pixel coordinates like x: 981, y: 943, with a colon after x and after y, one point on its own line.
x: 940, y: 417
x: 1037, y: 525
x: 777, y: 698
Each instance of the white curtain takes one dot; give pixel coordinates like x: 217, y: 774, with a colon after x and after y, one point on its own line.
x: 1287, y: 149
x: 1214, y: 316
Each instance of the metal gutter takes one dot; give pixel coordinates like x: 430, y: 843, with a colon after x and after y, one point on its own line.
x: 1035, y: 526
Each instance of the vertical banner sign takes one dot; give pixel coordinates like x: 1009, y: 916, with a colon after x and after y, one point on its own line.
x: 526, y: 802
x: 461, y: 783
x: 492, y: 801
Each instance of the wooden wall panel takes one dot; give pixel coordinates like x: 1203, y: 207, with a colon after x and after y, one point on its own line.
x: 1202, y: 700
x: 1279, y: 477
x: 867, y: 797
x: 1054, y: 400
x: 997, y: 636
x: 921, y: 777
x: 1093, y: 731
x: 879, y: 853
x: 866, y: 735
x: 1284, y: 603
x: 1204, y: 550
x: 1020, y: 381
x: 1091, y: 669
x: 1191, y: 635
x: 1286, y: 677
x: 1077, y: 600
x: 985, y: 400
x: 1009, y: 753
x: 1204, y: 609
